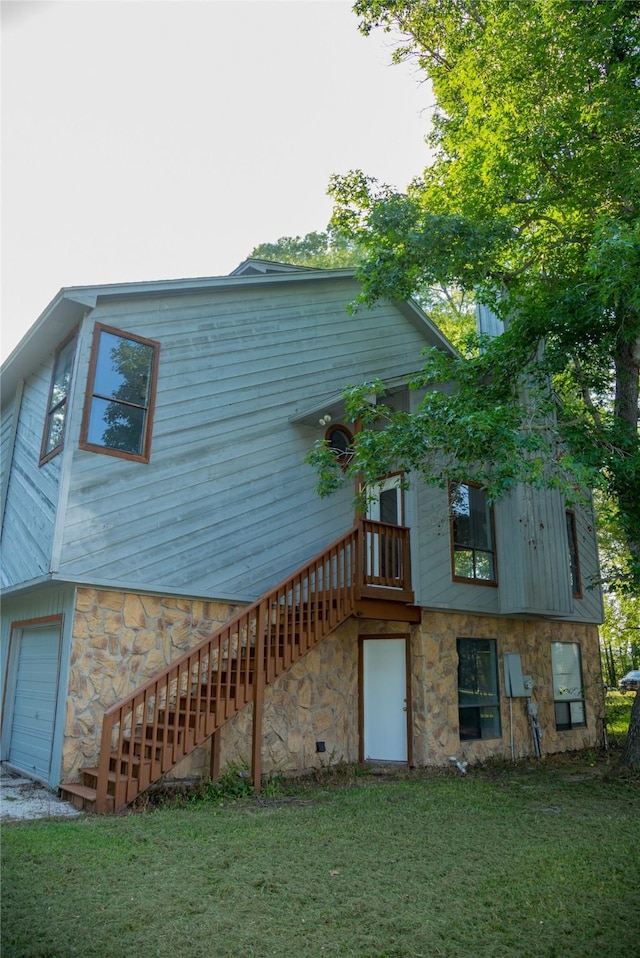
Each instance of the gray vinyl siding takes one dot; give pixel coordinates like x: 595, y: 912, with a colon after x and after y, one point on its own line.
x: 26, y: 607
x: 32, y: 491
x: 531, y: 554
x: 589, y: 608
x: 432, y: 563
x: 8, y: 428
x: 227, y: 507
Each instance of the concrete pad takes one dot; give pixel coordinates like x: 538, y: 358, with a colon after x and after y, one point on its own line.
x: 23, y: 799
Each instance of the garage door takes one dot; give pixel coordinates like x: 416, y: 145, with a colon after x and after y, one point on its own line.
x: 35, y: 700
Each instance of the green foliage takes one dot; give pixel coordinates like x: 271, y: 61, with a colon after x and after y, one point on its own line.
x: 235, y: 782
x: 532, y: 205
x: 618, y: 716
x: 449, y: 307
x: 331, y: 249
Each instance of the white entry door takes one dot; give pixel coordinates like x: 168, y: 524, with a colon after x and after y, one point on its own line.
x: 34, y: 703
x: 385, y: 699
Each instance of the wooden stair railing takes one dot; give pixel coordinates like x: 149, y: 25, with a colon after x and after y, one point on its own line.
x: 162, y: 721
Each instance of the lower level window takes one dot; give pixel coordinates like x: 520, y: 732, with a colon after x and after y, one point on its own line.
x: 568, y: 689
x: 478, y: 693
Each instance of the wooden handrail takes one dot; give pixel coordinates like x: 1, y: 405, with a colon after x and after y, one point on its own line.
x: 162, y: 721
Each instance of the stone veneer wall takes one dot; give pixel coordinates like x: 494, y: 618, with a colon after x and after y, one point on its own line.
x: 435, y: 701
x: 318, y: 698
x: 120, y: 640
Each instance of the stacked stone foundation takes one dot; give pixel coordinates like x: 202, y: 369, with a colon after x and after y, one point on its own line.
x: 120, y: 640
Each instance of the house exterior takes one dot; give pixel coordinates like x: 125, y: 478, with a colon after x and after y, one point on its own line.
x: 154, y: 492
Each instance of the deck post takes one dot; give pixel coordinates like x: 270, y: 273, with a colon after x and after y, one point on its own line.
x: 214, y: 756
x: 258, y: 696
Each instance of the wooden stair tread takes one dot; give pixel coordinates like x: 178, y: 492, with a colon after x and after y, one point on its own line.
x: 166, y: 717
x: 82, y: 791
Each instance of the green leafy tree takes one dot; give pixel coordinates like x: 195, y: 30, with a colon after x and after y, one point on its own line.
x: 450, y: 308
x: 532, y: 204
x: 328, y: 249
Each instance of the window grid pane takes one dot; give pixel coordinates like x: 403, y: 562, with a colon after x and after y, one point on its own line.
x: 119, y: 403
x: 53, y: 436
x: 568, y: 690
x: 478, y: 691
x: 472, y: 533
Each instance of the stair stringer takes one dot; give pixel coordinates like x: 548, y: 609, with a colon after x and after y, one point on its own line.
x: 165, y: 719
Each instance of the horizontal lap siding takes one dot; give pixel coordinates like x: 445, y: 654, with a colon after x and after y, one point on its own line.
x: 436, y: 588
x: 32, y: 494
x: 227, y: 505
x: 531, y: 554
x: 6, y: 432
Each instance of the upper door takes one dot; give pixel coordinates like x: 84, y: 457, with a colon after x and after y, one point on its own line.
x: 384, y: 554
x: 386, y: 502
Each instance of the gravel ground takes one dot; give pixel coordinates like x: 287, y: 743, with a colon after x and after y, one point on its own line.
x: 22, y: 799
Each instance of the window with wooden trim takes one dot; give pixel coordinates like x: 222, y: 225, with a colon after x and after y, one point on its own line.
x: 118, y: 412
x: 472, y: 539
x: 57, y: 403
x: 340, y: 442
x: 568, y: 687
x: 478, y: 690
x: 574, y: 561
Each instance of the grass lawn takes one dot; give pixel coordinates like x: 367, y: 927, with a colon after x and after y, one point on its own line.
x: 507, y: 862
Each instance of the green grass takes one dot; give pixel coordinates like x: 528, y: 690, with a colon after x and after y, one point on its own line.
x: 618, y: 711
x: 536, y: 862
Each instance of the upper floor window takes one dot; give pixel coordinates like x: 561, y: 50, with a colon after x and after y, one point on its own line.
x: 118, y: 412
x: 53, y: 435
x: 568, y: 690
x: 574, y: 562
x: 340, y: 442
x: 478, y: 691
x: 472, y: 540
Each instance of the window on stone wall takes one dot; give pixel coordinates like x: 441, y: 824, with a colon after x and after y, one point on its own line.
x: 568, y: 687
x: 478, y: 690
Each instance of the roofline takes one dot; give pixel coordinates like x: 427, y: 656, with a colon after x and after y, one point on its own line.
x: 205, y: 283
x: 68, y: 308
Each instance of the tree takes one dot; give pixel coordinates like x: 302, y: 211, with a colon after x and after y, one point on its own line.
x: 329, y: 249
x: 450, y: 308
x: 532, y: 203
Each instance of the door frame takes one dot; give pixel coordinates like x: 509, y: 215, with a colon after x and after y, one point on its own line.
x: 409, y: 712
x: 11, y: 677
x: 392, y: 481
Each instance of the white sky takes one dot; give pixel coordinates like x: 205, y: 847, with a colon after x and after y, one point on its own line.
x: 157, y: 139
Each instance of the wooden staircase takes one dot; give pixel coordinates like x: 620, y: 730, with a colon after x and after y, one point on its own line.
x: 162, y: 721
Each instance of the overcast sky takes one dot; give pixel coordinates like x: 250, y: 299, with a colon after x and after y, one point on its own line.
x: 157, y: 139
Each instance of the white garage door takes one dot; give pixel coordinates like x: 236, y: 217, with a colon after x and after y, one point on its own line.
x: 35, y: 700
